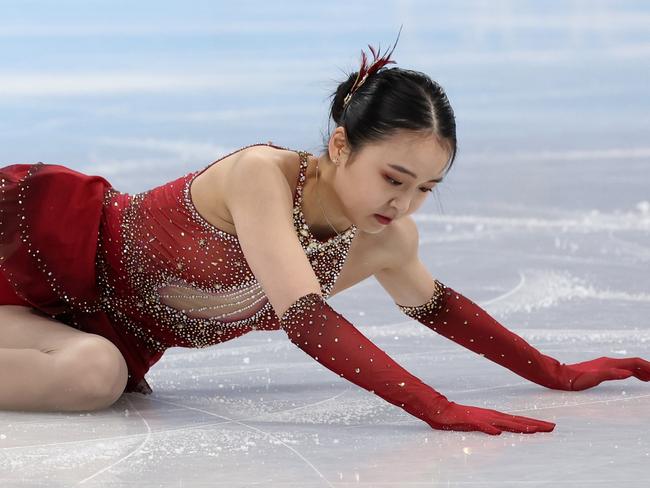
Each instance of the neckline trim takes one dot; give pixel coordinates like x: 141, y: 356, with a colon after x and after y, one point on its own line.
x: 307, y: 238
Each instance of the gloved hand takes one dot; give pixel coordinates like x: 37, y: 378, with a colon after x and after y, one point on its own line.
x: 313, y: 326
x: 463, y: 417
x: 459, y: 319
x: 588, y: 374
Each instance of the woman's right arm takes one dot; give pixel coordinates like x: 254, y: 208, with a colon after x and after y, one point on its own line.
x: 260, y: 202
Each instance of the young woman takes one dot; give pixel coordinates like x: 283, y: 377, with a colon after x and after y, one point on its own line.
x: 96, y: 284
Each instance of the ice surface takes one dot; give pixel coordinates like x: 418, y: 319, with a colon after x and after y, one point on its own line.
x: 258, y: 411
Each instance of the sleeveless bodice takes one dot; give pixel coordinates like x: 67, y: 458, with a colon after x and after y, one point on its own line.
x: 171, y: 278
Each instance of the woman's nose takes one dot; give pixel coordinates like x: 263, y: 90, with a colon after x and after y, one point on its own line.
x: 401, y: 204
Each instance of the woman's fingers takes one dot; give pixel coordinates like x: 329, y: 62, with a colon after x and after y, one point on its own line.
x: 640, y: 368
x: 492, y: 422
x: 542, y: 425
x: 524, y: 427
x: 514, y: 426
x: 490, y: 429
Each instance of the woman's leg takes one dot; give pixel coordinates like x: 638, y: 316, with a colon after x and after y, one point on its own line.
x: 46, y: 365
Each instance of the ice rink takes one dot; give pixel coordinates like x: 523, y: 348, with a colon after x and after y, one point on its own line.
x: 259, y: 412
x: 544, y: 221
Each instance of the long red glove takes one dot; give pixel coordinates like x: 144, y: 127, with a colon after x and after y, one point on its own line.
x: 335, y: 343
x: 456, y: 317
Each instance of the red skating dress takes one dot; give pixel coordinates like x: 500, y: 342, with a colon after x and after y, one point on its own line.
x: 146, y: 271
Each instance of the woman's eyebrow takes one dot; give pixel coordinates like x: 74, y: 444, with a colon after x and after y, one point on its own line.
x: 402, y: 169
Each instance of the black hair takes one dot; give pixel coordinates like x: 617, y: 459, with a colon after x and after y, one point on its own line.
x: 390, y: 101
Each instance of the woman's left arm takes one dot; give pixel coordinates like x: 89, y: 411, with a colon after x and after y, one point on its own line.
x: 452, y: 315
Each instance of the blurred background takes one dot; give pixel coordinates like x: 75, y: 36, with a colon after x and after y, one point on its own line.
x: 544, y: 221
x: 144, y: 91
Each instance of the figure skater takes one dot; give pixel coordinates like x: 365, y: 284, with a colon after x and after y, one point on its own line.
x: 96, y: 284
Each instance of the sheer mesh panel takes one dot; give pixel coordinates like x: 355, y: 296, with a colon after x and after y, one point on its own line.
x: 226, y: 306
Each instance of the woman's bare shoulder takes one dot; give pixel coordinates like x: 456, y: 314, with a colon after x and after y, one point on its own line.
x: 274, y: 155
x: 261, y: 165
x: 286, y: 160
x: 210, y: 189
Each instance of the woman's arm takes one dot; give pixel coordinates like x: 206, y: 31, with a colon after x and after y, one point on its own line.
x: 330, y: 339
x: 454, y: 316
x: 260, y: 202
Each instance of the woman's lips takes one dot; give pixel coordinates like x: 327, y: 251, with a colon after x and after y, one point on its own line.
x: 383, y: 220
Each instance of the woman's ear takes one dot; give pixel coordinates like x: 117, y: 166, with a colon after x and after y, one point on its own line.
x: 339, y: 149
x: 338, y: 146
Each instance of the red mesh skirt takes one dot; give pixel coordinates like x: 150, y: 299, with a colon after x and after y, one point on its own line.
x: 50, y: 220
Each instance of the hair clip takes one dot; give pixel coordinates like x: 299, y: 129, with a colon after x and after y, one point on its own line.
x: 365, y: 71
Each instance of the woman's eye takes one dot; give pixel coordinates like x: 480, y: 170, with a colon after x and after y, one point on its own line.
x: 397, y: 183
x: 392, y: 181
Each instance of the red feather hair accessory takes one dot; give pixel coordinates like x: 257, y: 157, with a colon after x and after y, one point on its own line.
x: 365, y: 71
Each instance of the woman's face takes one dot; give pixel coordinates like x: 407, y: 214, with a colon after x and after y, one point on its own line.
x: 378, y: 181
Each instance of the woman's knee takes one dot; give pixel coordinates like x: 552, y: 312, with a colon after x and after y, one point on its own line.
x: 101, y: 371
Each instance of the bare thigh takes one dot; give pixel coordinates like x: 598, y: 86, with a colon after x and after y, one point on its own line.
x: 24, y: 327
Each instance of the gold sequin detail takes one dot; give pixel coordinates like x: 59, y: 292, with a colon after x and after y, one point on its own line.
x: 300, y: 306
x: 326, y: 257
x: 430, y: 306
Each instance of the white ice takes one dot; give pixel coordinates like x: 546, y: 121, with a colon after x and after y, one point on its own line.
x: 258, y: 411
